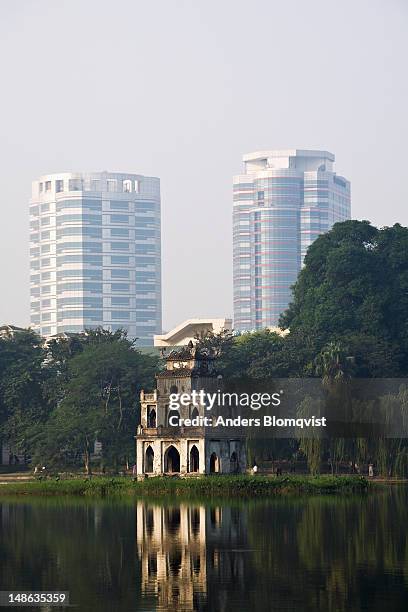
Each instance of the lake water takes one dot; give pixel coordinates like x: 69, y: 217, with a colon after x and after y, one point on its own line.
x: 316, y: 553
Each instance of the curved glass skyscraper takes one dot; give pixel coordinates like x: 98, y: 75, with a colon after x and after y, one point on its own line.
x: 282, y: 202
x: 95, y: 254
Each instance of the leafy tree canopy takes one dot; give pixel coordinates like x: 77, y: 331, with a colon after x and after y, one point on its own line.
x: 354, y: 289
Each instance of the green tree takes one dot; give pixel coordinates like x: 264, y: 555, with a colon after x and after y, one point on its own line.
x: 335, y: 368
x: 23, y: 408
x: 354, y: 288
x: 100, y: 400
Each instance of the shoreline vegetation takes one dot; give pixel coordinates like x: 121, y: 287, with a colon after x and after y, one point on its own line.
x: 61, y: 396
x: 207, y: 486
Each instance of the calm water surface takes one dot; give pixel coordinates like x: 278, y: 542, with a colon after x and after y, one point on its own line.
x: 315, y: 553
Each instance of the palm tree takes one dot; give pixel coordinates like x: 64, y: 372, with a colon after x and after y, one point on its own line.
x: 335, y: 369
x: 333, y: 364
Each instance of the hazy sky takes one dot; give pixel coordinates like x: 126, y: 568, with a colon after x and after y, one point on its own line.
x: 180, y: 90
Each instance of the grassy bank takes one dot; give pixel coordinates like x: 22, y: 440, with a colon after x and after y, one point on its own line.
x: 210, y: 486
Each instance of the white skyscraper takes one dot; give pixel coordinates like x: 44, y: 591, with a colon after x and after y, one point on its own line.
x: 281, y: 204
x: 95, y: 253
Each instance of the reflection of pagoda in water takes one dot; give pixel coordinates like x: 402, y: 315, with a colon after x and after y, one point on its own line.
x: 182, y: 549
x: 171, y: 546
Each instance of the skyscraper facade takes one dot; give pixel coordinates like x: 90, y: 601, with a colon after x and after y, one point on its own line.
x: 95, y: 254
x: 281, y: 204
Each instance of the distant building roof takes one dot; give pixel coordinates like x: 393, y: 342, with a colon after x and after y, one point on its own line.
x: 279, y: 153
x: 8, y: 331
x: 62, y: 336
x: 188, y: 330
